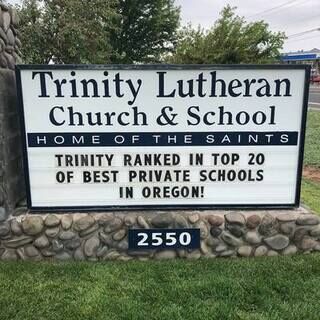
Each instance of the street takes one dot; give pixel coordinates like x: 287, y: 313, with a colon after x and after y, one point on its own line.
x: 314, y: 97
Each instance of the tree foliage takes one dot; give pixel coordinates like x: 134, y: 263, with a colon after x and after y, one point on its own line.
x: 147, y: 29
x: 97, y: 31
x: 67, y: 31
x: 34, y: 48
x: 230, y: 40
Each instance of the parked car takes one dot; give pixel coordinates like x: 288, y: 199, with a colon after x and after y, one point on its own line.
x: 315, y: 78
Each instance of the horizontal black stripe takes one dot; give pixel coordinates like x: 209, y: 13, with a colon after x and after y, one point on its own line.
x: 148, y: 139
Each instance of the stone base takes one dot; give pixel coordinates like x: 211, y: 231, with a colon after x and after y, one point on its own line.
x: 103, y: 236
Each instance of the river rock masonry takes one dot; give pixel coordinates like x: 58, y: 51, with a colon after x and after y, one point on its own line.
x: 103, y: 236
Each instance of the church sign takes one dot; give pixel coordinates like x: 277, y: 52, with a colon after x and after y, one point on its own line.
x: 162, y: 136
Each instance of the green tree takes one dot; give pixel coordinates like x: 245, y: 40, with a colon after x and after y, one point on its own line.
x: 97, y: 31
x: 230, y: 40
x: 34, y: 48
x: 147, y: 30
x: 67, y: 31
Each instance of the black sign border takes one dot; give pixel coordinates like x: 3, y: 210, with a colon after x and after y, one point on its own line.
x: 306, y: 68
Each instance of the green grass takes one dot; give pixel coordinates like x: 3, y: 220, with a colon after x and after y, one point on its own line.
x: 310, y: 195
x: 261, y: 288
x: 310, y: 192
x: 312, y: 143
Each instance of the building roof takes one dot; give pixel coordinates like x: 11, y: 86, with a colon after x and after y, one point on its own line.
x: 301, y: 55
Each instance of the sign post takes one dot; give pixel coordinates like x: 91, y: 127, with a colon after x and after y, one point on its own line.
x: 157, y: 136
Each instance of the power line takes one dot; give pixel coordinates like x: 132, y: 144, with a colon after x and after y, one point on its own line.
x: 303, y: 33
x: 294, y: 40
x: 273, y: 8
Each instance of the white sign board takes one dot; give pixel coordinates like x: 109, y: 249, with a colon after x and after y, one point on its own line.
x: 163, y: 136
